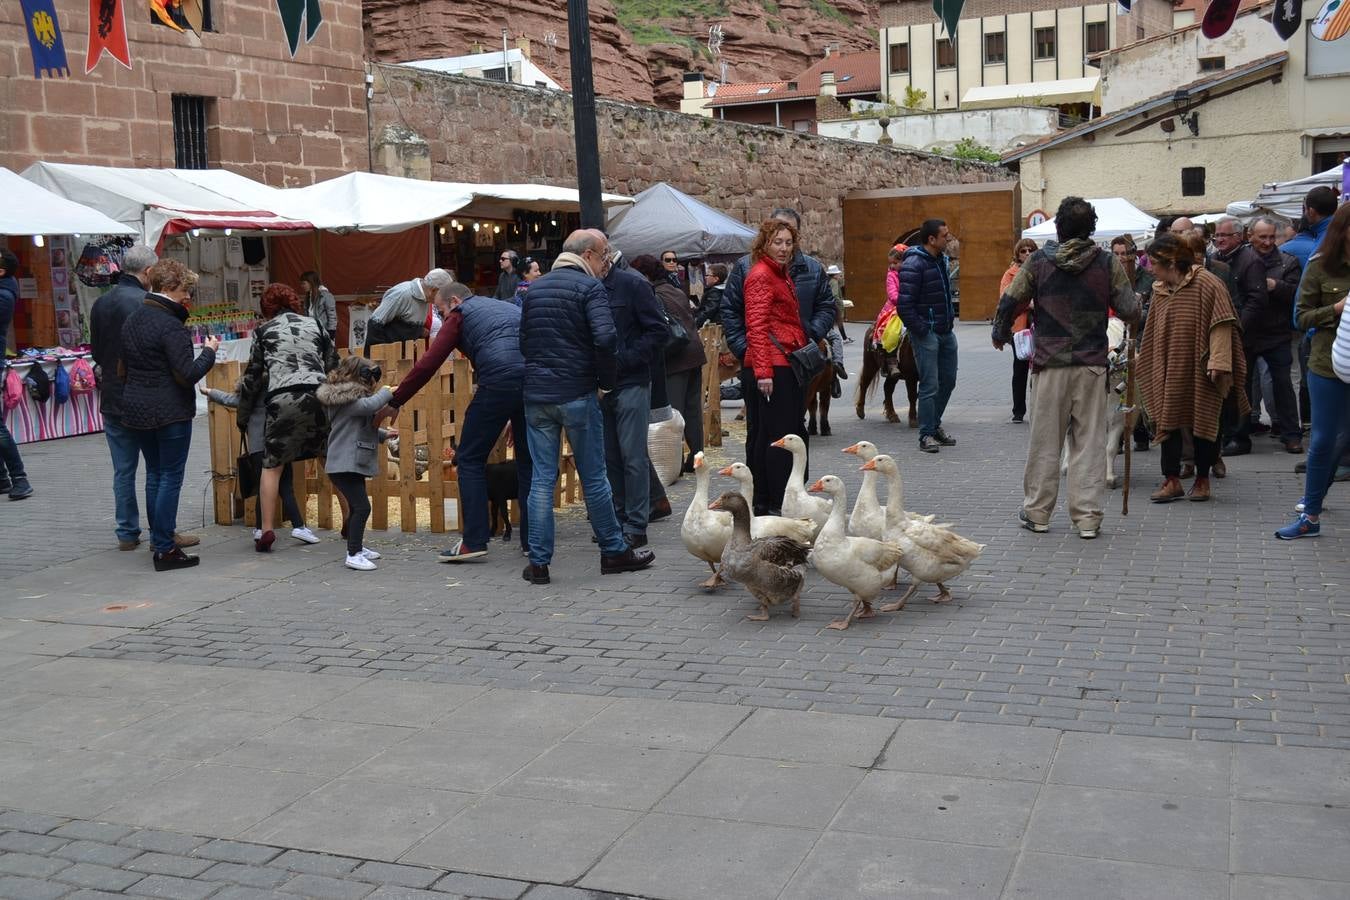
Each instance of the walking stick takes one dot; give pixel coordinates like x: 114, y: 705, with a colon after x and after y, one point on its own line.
x: 1129, y: 419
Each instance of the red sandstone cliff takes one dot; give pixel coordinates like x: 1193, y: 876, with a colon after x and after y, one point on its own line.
x: 764, y: 40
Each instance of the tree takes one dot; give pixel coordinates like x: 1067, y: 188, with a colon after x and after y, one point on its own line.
x: 914, y: 97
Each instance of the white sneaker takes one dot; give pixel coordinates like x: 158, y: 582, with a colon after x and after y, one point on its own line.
x: 369, y: 553
x: 305, y: 535
x: 360, y: 563
x: 257, y: 534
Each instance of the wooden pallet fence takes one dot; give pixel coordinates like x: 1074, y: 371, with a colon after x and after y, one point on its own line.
x: 429, y: 420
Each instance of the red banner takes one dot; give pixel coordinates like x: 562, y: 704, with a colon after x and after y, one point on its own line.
x: 107, y: 31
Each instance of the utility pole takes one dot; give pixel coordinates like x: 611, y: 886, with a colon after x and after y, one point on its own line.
x: 583, y: 114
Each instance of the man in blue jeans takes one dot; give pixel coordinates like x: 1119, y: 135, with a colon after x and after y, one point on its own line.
x: 925, y: 306
x: 568, y: 341
x: 641, y: 337
x: 486, y: 331
x: 105, y: 337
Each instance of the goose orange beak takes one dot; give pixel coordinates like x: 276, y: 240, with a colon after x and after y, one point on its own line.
x: 869, y: 466
x: 698, y: 461
x: 726, y: 471
x: 778, y: 443
x: 716, y: 504
x: 818, y: 487
x: 853, y: 450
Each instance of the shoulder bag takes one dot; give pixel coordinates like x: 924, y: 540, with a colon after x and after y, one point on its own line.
x: 807, y: 362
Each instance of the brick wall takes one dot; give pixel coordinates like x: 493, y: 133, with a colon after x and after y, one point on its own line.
x: 484, y: 131
x: 282, y: 121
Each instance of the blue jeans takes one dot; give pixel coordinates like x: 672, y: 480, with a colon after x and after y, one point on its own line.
x: 544, y: 424
x: 625, y: 412
x: 166, y: 452
x: 487, y: 415
x: 125, y: 447
x: 1330, y: 437
x: 935, y: 355
x: 11, y: 463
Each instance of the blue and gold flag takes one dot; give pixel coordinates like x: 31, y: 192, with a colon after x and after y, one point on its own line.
x: 44, y: 38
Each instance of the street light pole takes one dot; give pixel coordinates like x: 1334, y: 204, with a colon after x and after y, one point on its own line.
x: 583, y: 114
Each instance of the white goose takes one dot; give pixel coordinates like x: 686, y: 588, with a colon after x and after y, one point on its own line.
x: 861, y: 565
x: 803, y: 531
x: 705, y: 532
x: 933, y: 554
x: 868, y: 518
x: 797, y: 503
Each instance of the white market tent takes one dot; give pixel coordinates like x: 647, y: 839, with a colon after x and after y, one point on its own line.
x: 172, y: 201
x: 1285, y: 198
x: 155, y: 202
x: 663, y: 218
x: 30, y: 210
x: 1115, y: 216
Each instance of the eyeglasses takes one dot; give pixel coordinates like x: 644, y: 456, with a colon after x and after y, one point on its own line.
x: 503, y: 257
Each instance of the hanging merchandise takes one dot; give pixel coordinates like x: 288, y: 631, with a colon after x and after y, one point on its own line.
x: 1286, y: 16
x: 1332, y: 21
x: 210, y: 254
x: 44, y: 38
x: 1219, y: 18
x: 94, y: 267
x: 234, y: 252
x: 107, y: 31
x: 295, y: 12
x: 949, y: 11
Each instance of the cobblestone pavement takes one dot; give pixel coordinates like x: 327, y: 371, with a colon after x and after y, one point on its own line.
x: 1185, y: 621
x: 49, y: 857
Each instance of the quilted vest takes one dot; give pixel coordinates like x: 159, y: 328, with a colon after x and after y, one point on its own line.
x: 490, y: 337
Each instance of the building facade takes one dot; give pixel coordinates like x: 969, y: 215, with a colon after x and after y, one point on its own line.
x: 1003, y: 42
x: 791, y: 104
x: 233, y: 96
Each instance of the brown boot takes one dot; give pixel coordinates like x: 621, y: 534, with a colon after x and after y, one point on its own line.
x: 1219, y: 469
x: 1187, y: 470
x: 1199, y: 492
x: 1171, y: 490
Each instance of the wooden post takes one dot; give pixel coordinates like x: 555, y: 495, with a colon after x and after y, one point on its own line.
x: 225, y: 443
x: 711, y: 336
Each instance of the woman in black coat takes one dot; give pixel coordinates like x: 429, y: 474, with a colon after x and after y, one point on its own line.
x: 158, y: 400
x: 684, y: 364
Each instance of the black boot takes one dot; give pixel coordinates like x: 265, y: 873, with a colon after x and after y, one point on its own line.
x: 535, y: 574
x: 629, y: 560
x: 175, y: 559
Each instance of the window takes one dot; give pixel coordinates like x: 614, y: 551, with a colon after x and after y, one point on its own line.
x: 1045, y: 42
x: 1095, y: 37
x: 175, y: 12
x: 497, y: 74
x: 899, y: 59
x: 995, y: 48
x: 189, y: 132
x: 801, y: 124
x: 1193, y: 181
x: 1212, y: 64
x: 946, y: 54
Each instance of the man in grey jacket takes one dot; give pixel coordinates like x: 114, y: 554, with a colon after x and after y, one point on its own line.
x: 402, y: 313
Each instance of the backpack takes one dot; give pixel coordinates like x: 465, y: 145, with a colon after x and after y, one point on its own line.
x: 38, y: 383
x: 13, y: 393
x: 82, y: 380
x: 61, y: 386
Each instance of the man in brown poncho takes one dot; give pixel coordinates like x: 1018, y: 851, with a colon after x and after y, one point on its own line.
x: 1191, y: 359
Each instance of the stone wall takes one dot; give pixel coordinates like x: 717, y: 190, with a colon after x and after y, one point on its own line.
x: 477, y: 130
x: 280, y: 120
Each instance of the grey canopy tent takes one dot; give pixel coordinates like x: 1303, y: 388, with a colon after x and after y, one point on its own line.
x: 662, y: 218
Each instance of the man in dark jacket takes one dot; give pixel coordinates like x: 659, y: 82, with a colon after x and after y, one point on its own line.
x: 714, y: 286
x: 1073, y: 287
x: 1266, y: 335
x: 1247, y: 289
x: 508, y: 280
x: 642, y: 333
x: 13, y: 478
x: 488, y: 334
x: 925, y: 306
x: 814, y: 299
x: 567, y: 339
x: 105, y: 336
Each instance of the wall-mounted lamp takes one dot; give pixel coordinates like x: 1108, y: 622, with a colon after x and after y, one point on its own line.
x: 1192, y: 121
x: 229, y: 231
x: 475, y: 226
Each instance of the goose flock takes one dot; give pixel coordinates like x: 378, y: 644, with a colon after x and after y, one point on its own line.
x: 862, y: 550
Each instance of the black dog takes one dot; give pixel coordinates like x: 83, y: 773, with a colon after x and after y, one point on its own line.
x: 502, y: 486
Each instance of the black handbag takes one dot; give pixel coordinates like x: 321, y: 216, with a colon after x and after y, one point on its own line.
x: 248, y: 471
x: 677, y: 336
x: 807, y: 362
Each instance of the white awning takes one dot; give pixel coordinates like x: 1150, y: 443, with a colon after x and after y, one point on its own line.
x: 1036, y: 93
x: 31, y: 210
x: 1115, y: 216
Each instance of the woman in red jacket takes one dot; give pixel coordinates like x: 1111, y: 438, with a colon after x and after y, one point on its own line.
x: 778, y: 405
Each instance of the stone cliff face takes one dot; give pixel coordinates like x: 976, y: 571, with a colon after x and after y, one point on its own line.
x: 637, y: 56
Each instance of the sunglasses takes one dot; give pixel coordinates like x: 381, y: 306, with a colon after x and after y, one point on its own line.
x: 669, y: 259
